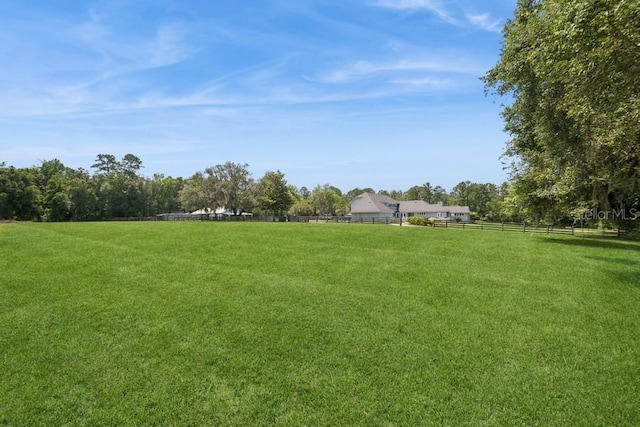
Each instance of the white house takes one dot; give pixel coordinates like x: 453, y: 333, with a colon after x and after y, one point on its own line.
x: 368, y: 205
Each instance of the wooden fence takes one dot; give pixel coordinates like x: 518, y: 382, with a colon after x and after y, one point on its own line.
x: 345, y: 219
x: 481, y: 225
x: 538, y: 229
x: 187, y: 217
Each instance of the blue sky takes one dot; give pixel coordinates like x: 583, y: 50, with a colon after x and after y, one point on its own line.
x: 368, y: 93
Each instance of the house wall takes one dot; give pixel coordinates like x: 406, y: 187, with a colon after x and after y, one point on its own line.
x: 425, y: 214
x: 464, y: 217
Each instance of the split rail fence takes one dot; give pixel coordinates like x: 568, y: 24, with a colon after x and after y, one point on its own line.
x: 481, y: 225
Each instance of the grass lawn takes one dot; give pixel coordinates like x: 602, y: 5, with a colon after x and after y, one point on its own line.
x: 190, y: 323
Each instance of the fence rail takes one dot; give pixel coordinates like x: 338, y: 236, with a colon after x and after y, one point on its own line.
x: 186, y: 217
x: 527, y: 228
x: 490, y: 226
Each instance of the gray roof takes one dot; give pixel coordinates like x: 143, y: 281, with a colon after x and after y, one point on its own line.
x: 377, y: 203
x: 411, y: 206
x: 372, y: 203
x: 458, y: 209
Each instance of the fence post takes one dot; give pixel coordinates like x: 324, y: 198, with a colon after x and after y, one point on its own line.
x: 481, y: 225
x: 502, y: 226
x: 524, y: 227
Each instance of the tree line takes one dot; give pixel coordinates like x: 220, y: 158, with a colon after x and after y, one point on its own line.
x: 116, y: 188
x: 571, y: 72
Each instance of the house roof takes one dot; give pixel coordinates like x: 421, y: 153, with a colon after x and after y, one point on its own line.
x: 411, y: 206
x: 372, y: 203
x: 377, y: 203
x: 458, y: 209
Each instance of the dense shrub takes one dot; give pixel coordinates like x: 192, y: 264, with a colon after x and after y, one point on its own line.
x: 419, y: 220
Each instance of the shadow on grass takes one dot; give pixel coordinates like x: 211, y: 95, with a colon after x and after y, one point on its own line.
x: 621, y: 269
x: 619, y: 261
x: 595, y: 242
x: 630, y: 277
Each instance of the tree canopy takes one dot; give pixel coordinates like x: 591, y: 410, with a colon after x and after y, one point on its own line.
x: 52, y: 191
x: 572, y: 70
x: 275, y: 196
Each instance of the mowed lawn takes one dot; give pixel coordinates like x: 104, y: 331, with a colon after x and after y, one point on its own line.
x: 176, y: 323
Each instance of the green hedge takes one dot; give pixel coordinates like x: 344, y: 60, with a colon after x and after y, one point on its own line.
x: 419, y: 220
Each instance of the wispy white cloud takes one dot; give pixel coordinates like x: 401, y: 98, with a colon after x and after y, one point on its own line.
x: 452, y: 13
x: 423, y: 82
x: 485, y: 21
x: 256, y: 87
x: 434, y: 6
x: 166, y: 45
x: 90, y: 67
x: 366, y: 69
x: 110, y: 71
x: 169, y: 45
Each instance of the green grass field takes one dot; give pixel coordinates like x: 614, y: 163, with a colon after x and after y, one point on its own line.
x: 196, y: 323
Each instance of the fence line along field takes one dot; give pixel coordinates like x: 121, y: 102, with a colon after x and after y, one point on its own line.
x: 250, y: 323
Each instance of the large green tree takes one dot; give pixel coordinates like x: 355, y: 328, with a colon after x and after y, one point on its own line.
x: 477, y: 196
x: 84, y: 202
x: 355, y: 192
x: 274, y: 195
x: 328, y: 200
x: 20, y: 195
x: 164, y: 193
x: 572, y: 70
x: 197, y: 193
x: 233, y: 186
x: 301, y: 204
x: 67, y: 193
